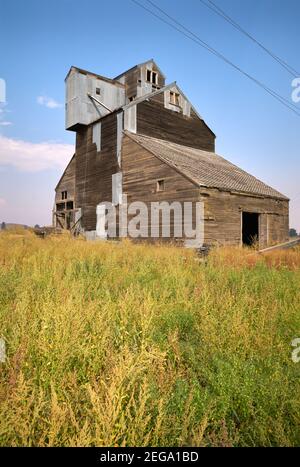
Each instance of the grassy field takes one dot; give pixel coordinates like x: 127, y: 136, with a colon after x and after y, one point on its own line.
x: 119, y: 345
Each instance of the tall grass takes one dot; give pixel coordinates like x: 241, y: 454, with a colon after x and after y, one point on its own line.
x: 121, y: 345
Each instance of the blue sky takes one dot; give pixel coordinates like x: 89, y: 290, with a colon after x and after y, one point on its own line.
x: 40, y: 40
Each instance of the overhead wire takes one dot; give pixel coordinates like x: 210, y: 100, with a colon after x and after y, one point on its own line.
x: 179, y: 27
x: 216, y: 9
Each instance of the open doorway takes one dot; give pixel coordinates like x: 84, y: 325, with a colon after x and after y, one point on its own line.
x: 250, y: 228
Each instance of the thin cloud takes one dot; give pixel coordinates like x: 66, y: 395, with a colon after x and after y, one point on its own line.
x: 48, y: 102
x: 34, y: 157
x: 5, y: 123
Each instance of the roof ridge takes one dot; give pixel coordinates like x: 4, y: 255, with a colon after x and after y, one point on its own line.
x: 150, y: 94
x: 65, y: 170
x: 104, y: 78
x: 175, y: 144
x: 139, y: 65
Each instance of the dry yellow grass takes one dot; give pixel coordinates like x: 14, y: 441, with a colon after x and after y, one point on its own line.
x: 114, y: 344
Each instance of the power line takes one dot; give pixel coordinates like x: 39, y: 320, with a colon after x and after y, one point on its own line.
x: 277, y: 96
x: 193, y: 37
x: 216, y: 9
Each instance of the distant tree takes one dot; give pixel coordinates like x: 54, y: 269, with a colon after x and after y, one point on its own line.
x: 3, y: 226
x: 36, y: 226
x: 293, y: 233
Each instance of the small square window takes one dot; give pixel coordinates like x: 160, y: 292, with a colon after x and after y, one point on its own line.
x: 160, y: 185
x: 60, y: 207
x: 98, y: 91
x: 131, y: 98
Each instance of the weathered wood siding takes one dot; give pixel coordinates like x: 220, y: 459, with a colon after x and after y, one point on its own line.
x: 131, y: 82
x: 135, y: 79
x: 142, y: 170
x: 94, y: 169
x: 67, y: 183
x: 152, y: 66
x: 223, y: 217
x: 222, y: 210
x: 153, y: 119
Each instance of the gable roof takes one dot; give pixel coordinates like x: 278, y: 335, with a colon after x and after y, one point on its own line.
x: 145, y: 97
x: 86, y: 72
x: 205, y: 168
x: 151, y: 94
x: 148, y: 96
x: 65, y: 171
x: 138, y: 66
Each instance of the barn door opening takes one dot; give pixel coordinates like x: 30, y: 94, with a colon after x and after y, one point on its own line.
x: 250, y: 228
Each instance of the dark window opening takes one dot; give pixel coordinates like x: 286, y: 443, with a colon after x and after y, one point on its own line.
x: 174, y: 98
x: 64, y: 195
x: 98, y: 92
x: 60, y: 206
x: 151, y: 76
x: 154, y: 77
x: 160, y: 185
x: 250, y: 228
x: 70, y: 205
x: 131, y: 98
